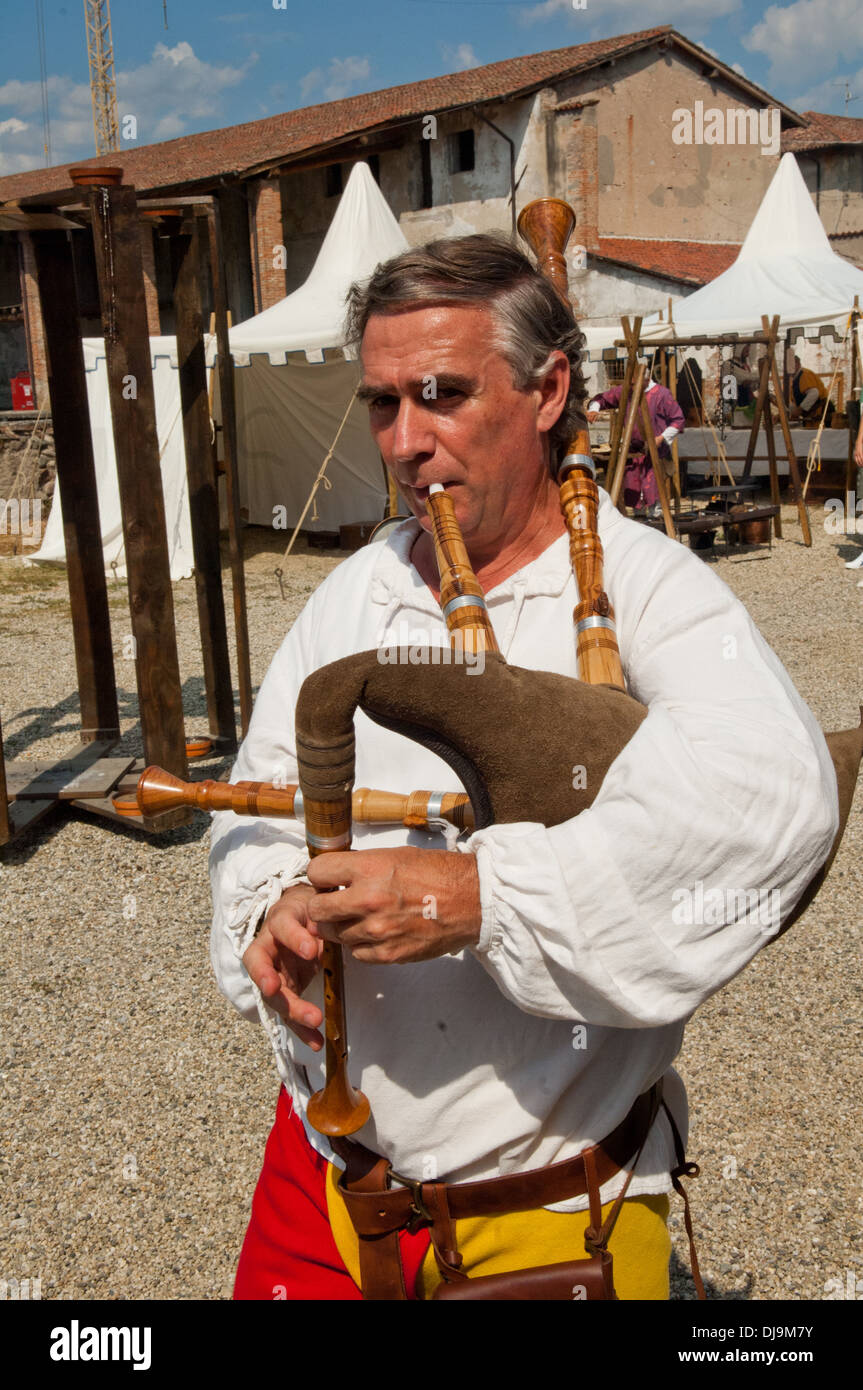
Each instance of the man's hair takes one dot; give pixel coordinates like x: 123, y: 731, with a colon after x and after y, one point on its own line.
x: 530, y: 319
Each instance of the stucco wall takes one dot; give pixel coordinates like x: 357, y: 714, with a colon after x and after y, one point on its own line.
x: 648, y: 185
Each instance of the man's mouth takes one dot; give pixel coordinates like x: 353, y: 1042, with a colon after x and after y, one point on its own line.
x: 421, y: 493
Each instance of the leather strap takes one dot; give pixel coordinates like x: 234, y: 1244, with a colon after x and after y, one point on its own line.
x: 685, y: 1170
x: 378, y: 1211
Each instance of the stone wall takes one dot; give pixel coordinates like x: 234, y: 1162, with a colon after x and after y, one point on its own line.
x: 16, y: 430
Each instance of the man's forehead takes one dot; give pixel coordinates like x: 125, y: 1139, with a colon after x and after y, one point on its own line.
x: 428, y: 339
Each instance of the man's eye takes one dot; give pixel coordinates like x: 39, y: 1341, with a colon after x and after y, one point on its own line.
x: 381, y: 402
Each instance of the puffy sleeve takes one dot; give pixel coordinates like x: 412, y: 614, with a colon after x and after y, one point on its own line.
x: 253, y: 859
x: 706, y: 830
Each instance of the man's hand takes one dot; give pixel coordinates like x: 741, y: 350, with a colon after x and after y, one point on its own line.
x: 592, y: 415
x: 397, y: 905
x: 660, y: 439
x: 283, y: 960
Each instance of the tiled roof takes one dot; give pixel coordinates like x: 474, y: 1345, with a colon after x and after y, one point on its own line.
x: 821, y: 130
x: 199, y: 158
x: 692, y: 262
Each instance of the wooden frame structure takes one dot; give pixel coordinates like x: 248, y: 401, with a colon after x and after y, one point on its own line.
x: 632, y: 404
x: 90, y: 777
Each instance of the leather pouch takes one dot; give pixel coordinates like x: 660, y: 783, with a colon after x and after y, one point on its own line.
x: 573, y: 1281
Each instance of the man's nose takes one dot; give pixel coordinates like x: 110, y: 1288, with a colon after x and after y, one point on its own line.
x: 412, y: 435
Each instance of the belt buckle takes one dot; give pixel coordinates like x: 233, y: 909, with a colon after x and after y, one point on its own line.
x: 421, y: 1214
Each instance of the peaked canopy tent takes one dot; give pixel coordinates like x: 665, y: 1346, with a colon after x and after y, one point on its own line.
x: 296, y: 380
x: 786, y: 266
x: 294, y: 383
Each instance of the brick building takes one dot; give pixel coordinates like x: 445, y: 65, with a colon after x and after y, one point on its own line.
x: 594, y: 124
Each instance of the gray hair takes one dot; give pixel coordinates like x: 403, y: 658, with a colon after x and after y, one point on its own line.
x: 531, y: 321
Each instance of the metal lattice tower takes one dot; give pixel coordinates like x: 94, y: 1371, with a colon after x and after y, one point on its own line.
x: 103, y: 88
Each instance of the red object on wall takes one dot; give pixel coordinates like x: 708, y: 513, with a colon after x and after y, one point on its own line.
x: 22, y: 391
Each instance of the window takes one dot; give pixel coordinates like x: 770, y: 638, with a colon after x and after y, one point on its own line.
x: 461, y: 152
x: 334, y: 179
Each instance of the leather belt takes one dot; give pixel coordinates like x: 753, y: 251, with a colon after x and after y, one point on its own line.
x: 379, y: 1211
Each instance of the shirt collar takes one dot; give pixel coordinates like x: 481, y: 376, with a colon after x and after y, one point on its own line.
x: 394, y: 576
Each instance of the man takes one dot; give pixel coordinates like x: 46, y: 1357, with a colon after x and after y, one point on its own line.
x: 808, y: 396
x: 667, y: 421
x: 517, y: 1024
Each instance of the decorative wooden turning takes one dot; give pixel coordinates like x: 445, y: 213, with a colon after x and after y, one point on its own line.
x: 546, y: 225
x: 160, y: 791
x: 461, y: 597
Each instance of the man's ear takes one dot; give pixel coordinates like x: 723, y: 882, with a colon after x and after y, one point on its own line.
x: 553, y: 391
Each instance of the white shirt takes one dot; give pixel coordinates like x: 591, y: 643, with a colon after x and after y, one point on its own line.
x: 598, y: 939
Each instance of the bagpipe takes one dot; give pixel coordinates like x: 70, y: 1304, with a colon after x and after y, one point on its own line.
x: 487, y: 730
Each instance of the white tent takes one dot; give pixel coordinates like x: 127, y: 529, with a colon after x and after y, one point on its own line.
x: 169, y: 428
x: 291, y: 396
x: 293, y: 384
x: 786, y: 266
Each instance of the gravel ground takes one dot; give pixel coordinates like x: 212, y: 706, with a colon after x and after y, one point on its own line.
x: 136, y: 1105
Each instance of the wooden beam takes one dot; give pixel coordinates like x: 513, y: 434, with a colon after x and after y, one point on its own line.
x: 658, y: 470
x: 76, y: 480
x: 634, y: 404
x: 225, y: 368
x: 203, y: 496
x: 761, y: 397
x: 789, y: 446
x: 117, y: 248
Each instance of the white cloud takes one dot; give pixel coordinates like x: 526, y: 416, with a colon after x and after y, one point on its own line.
x: 342, y: 78
x: 829, y: 95
x: 808, y: 38
x: 459, y: 57
x: 738, y: 67
x: 690, y: 16
x: 166, y: 94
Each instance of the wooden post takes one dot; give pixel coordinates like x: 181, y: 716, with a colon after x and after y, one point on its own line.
x: 675, y: 451
x: 658, y: 469
x: 117, y: 247
x: 203, y: 498
x: 631, y: 333
x: 760, y: 400
x: 615, y: 484
x: 229, y: 446
x: 786, y: 435
x: 76, y: 482
x: 774, y: 475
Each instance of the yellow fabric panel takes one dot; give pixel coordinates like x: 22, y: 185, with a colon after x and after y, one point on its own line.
x: 640, y: 1243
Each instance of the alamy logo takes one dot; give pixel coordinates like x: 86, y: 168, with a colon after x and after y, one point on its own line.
x: 758, y: 907
x: 77, y: 1343
x: 21, y: 518
x: 414, y: 647
x: 732, y: 126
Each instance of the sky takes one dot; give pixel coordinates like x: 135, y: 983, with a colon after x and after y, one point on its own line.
x: 222, y: 62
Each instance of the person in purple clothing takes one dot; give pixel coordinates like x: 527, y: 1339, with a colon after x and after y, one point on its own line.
x: 639, y: 484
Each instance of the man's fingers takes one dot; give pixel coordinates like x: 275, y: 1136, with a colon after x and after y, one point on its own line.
x: 278, y: 983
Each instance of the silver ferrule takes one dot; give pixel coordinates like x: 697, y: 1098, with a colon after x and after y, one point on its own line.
x: 595, y: 621
x: 465, y: 601
x: 328, y: 841
x: 571, y: 461
x: 299, y: 805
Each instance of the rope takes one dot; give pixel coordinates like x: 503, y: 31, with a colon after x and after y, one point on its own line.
x: 813, y: 453
x: 320, y: 479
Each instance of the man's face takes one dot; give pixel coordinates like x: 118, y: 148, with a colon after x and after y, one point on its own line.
x: 443, y: 409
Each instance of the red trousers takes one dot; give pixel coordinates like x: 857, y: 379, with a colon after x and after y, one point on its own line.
x: 289, y: 1251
